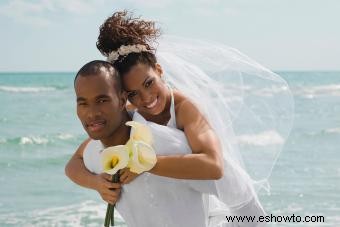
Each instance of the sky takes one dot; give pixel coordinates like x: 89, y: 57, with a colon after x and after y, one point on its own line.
x: 60, y: 35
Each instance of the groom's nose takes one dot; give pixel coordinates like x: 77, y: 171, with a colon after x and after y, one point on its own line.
x: 93, y: 112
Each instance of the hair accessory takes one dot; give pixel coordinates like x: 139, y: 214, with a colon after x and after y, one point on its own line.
x: 125, y: 50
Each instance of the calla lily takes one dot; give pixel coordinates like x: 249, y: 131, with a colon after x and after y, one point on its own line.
x: 142, y: 157
x: 140, y: 132
x: 114, y: 159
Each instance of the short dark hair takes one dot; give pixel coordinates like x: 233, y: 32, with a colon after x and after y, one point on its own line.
x: 98, y: 67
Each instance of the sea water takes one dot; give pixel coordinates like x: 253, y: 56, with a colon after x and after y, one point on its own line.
x: 39, y: 131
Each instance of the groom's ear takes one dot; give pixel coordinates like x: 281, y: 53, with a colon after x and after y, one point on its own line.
x: 122, y: 100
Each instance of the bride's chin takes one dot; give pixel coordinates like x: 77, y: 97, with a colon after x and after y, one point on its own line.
x: 154, y: 112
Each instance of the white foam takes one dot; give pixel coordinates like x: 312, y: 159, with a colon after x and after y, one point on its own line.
x: 265, y: 138
x: 88, y: 213
x: 26, y: 89
x: 270, y: 91
x: 2, y: 140
x: 33, y: 140
x: 65, y: 136
x: 322, y: 90
x: 333, y: 130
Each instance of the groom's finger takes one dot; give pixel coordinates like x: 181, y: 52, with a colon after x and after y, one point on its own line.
x: 109, y: 192
x: 111, y: 185
x: 106, y: 176
x: 112, y: 196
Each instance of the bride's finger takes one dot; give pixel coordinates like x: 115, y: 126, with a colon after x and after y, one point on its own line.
x: 122, y: 171
x: 123, y: 176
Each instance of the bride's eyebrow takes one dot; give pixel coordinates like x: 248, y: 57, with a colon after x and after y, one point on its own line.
x: 146, y: 80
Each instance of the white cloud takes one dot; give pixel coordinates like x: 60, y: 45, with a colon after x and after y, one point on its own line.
x: 154, y: 4
x: 24, y: 12
x: 77, y: 6
x: 37, y: 12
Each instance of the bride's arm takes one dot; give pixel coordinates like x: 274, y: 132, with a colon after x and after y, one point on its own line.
x: 206, y: 160
x: 75, y: 169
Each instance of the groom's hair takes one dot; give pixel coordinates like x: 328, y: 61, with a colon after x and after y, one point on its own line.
x: 98, y: 67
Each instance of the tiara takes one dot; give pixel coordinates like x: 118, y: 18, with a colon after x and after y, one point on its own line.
x: 125, y: 50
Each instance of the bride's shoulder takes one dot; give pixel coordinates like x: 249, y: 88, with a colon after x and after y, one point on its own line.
x: 186, y: 109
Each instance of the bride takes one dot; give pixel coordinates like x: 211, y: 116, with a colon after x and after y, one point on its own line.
x: 208, y: 74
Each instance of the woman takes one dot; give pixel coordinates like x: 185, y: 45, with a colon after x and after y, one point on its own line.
x: 126, y: 43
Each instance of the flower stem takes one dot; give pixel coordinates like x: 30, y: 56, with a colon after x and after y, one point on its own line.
x: 109, y: 217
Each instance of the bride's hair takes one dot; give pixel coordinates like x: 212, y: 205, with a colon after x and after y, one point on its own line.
x: 122, y: 29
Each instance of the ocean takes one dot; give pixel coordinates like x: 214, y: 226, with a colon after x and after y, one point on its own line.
x: 39, y: 131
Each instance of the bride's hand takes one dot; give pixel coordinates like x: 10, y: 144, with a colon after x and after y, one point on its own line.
x: 126, y: 176
x: 109, y: 191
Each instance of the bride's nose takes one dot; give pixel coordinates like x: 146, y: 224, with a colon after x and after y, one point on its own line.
x: 145, y: 96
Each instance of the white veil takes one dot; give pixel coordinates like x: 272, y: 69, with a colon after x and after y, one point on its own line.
x: 250, y: 107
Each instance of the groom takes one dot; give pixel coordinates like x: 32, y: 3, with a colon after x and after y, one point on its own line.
x: 101, y: 109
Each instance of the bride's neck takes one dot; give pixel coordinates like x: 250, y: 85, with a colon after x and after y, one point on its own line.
x: 162, y: 118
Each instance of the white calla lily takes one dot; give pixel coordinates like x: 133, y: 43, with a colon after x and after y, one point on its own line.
x: 140, y: 132
x: 115, y: 158
x: 142, y: 157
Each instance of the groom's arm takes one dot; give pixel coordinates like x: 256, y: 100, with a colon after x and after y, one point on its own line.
x: 75, y: 169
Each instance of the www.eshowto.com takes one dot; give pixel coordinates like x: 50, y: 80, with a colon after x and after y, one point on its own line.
x: 278, y: 218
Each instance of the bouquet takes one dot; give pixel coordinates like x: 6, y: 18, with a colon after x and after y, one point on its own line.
x: 137, y: 154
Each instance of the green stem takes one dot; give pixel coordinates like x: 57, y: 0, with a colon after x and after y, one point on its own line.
x: 109, y: 217
x: 112, y: 216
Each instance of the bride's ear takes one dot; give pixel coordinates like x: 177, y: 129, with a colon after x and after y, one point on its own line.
x: 129, y: 106
x: 122, y: 100
x: 159, y: 70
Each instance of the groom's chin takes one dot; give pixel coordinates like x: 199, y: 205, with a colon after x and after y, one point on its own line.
x: 95, y: 136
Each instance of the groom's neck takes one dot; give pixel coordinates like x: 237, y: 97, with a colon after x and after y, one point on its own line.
x: 121, y: 135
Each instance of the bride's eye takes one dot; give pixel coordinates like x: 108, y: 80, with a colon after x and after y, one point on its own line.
x: 131, y: 94
x: 149, y: 83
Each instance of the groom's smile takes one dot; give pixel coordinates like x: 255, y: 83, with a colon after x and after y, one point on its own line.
x: 96, y: 125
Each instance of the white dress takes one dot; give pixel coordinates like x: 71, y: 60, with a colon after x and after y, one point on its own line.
x: 151, y: 200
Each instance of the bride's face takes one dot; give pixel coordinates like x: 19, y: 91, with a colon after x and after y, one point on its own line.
x: 145, y: 89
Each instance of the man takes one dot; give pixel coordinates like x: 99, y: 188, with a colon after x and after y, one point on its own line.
x: 101, y: 110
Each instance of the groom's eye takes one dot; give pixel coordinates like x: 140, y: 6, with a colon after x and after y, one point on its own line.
x: 81, y: 103
x: 102, y: 100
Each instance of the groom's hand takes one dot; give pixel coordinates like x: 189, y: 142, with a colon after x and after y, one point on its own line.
x: 108, y: 191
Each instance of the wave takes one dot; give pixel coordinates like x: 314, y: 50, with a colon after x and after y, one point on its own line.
x: 40, y: 140
x: 88, y: 213
x: 333, y: 130
x: 261, y: 139
x: 26, y: 89
x: 322, y: 90
x: 323, y: 132
x: 304, y: 91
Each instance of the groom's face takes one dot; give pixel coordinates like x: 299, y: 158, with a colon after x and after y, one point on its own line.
x: 99, y: 105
